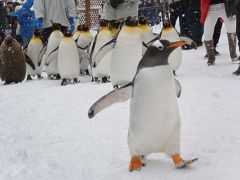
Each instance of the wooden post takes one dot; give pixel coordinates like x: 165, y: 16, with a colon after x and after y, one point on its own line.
x: 87, y: 13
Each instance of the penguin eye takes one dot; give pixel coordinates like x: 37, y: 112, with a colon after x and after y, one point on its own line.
x: 161, y: 47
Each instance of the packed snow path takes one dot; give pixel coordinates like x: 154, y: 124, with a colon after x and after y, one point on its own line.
x: 45, y: 133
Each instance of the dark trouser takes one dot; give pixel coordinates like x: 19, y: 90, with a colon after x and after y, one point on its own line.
x: 217, y: 32
x: 175, y: 12
x: 192, y: 27
x: 238, y: 23
x: 47, y: 32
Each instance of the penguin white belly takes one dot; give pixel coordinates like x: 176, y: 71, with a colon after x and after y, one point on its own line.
x: 53, y: 43
x: 175, y: 58
x: 154, y: 116
x: 84, y: 40
x: 68, y: 59
x: 33, y: 52
x: 84, y: 63
x: 103, y: 67
x: 125, y: 58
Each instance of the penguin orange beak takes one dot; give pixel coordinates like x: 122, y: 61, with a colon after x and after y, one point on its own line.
x: 176, y: 44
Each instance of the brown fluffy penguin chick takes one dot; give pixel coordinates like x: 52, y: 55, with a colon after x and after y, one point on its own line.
x: 12, y: 61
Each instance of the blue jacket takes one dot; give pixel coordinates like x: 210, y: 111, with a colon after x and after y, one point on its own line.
x: 27, y: 23
x: 26, y: 19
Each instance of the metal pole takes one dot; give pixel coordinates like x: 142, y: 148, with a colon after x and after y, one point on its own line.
x: 87, y: 13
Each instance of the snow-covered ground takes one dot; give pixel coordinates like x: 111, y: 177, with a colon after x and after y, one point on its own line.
x: 45, y: 133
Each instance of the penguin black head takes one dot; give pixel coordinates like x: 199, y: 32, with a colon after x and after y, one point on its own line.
x: 103, y: 23
x: 79, y: 28
x: 67, y: 33
x: 85, y: 28
x: 142, y: 20
x: 113, y: 24
x: 157, y: 54
x: 167, y: 23
x: 131, y: 21
x: 55, y: 26
x: 37, y: 32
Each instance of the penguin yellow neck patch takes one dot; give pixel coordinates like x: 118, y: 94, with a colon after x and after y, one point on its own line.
x: 35, y: 39
x: 129, y: 29
x: 143, y: 27
x: 67, y: 38
x: 168, y: 29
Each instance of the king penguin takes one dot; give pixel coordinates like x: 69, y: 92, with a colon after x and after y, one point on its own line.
x: 146, y: 32
x: 170, y: 33
x: 126, y: 54
x: 35, y: 51
x: 51, y: 56
x: 154, y: 124
x: 83, y: 44
x: 68, y: 59
x: 101, y: 39
x: 77, y: 33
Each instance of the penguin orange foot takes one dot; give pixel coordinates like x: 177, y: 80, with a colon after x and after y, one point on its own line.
x: 135, y: 163
x: 180, y: 163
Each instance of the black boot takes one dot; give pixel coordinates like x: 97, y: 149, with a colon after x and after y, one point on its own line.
x: 232, y: 41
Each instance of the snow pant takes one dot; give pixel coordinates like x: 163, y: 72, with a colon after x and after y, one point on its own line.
x: 121, y: 12
x: 215, y: 11
x: 217, y: 32
x: 47, y: 32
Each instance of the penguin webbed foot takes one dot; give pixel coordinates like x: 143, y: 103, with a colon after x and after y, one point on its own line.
x: 39, y: 76
x: 64, y: 82
x: 180, y: 163
x: 29, y: 77
x: 135, y: 164
x: 105, y: 80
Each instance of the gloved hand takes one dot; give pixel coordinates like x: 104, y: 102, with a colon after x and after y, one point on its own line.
x: 71, y: 21
x: 40, y: 23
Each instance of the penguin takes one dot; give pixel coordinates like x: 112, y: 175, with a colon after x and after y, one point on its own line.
x: 83, y: 44
x: 103, y: 37
x: 12, y: 61
x: 68, y: 59
x: 77, y: 33
x: 154, y: 124
x: 146, y: 32
x: 51, y: 56
x: 35, y: 51
x: 114, y: 27
x: 126, y: 54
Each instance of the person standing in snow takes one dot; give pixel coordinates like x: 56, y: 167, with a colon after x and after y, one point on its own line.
x: 120, y: 9
x: 57, y: 11
x: 237, y: 72
x: 27, y: 21
x: 211, y: 10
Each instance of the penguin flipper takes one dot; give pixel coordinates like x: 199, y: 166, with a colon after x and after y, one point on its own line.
x: 51, y: 57
x: 189, y: 42
x: 117, y: 95
x: 52, y: 52
x: 29, y: 61
x: 178, y: 88
x: 103, y: 51
x: 42, y: 52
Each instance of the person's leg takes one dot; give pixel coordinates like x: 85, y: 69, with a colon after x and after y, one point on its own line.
x: 174, y: 13
x: 217, y: 31
x: 230, y: 26
x: 210, y: 21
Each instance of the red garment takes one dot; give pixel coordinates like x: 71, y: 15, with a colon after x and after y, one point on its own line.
x: 204, y: 9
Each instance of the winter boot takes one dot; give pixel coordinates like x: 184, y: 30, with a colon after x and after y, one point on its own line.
x: 232, y: 39
x: 237, y: 72
x: 210, y: 52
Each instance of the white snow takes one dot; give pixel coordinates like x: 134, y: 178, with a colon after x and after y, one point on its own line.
x: 45, y: 133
